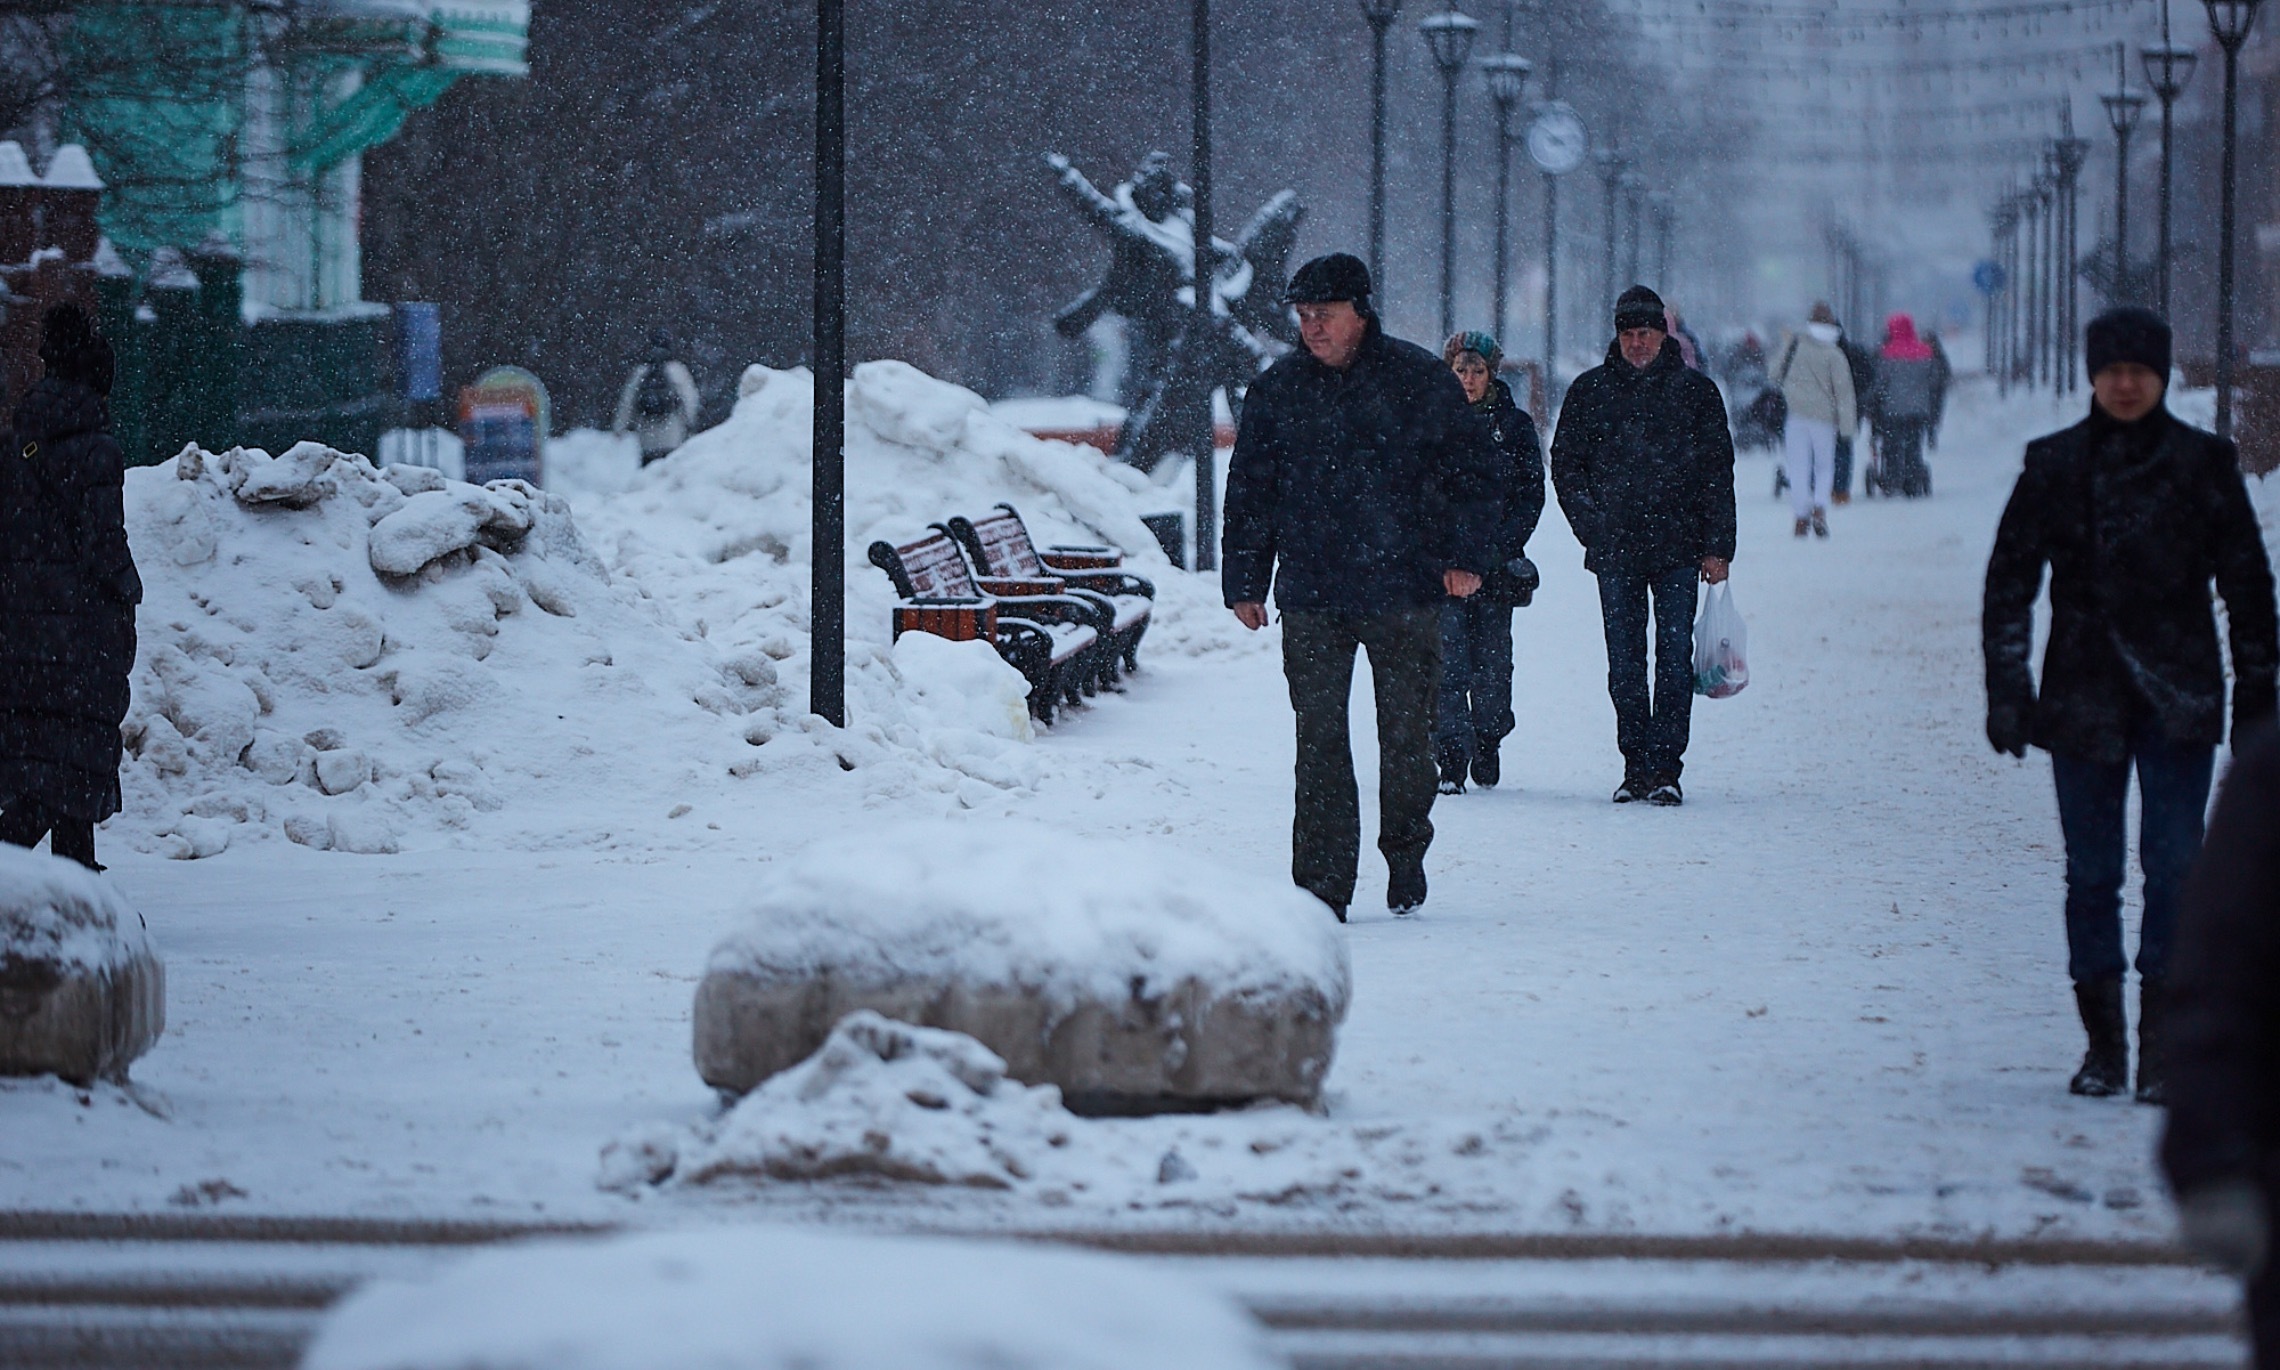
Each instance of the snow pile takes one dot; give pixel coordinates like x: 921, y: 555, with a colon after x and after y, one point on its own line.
x: 721, y: 531
x: 963, y: 686
x: 776, y: 1299
x: 357, y: 658
x: 880, y: 1098
x: 1063, y: 917
x: 59, y: 914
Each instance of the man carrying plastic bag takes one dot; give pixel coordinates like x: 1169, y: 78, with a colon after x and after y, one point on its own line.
x: 1721, y: 646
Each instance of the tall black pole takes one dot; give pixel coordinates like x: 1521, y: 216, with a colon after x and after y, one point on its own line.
x: 2225, y: 243
x: 1449, y: 76
x: 827, y: 613
x: 2161, y: 264
x: 1380, y: 18
x: 1551, y: 283
x: 1611, y: 168
x: 1634, y: 201
x: 1503, y: 215
x: 1207, y: 455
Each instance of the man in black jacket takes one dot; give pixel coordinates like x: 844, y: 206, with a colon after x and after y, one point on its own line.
x: 2222, y: 1147
x: 2135, y: 513
x: 1361, y: 488
x: 1644, y: 465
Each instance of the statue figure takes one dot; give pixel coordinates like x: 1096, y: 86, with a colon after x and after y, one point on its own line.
x: 1175, y: 365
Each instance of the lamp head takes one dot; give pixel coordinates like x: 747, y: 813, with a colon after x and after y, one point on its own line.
x: 2230, y: 20
x: 2123, y: 107
x: 1507, y: 74
x: 2169, y: 69
x: 1450, y: 36
x: 1380, y: 13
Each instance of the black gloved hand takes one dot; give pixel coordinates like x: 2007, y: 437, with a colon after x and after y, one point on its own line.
x: 2007, y: 729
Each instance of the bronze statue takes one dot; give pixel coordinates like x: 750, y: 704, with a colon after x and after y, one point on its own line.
x: 1173, y: 366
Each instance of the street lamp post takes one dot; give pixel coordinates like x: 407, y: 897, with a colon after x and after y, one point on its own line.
x: 1449, y: 35
x: 2124, y: 107
x: 1659, y: 204
x: 2068, y: 155
x: 2035, y: 291
x: 1612, y: 165
x: 2168, y: 69
x: 2229, y: 23
x: 1634, y: 202
x: 1206, y: 296
x: 827, y: 569
x: 1507, y: 74
x: 1380, y: 14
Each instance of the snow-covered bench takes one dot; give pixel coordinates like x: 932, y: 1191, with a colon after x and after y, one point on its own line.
x: 1003, y: 553
x: 1057, y: 641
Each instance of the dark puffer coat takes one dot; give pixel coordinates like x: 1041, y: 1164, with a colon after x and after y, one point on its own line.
x: 68, y: 591
x: 2224, y: 1029
x: 2134, y: 522
x: 1352, y: 491
x: 1644, y: 465
x: 1519, y: 472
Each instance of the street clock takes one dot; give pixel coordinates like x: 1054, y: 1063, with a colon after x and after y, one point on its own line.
x: 1557, y: 140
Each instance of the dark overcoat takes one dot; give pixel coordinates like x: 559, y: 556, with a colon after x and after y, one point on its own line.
x: 1644, y: 465
x: 2134, y: 521
x: 1519, y: 471
x: 1352, y: 491
x: 68, y: 591
x: 2224, y: 1028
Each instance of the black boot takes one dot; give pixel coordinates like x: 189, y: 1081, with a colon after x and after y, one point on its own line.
x: 2153, y: 1058
x: 1487, y: 767
x: 2106, y: 1065
x: 1453, y: 765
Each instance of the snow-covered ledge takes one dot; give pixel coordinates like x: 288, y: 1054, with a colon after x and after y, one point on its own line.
x: 82, y: 993
x: 1134, y: 977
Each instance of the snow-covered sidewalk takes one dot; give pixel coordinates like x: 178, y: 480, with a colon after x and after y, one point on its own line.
x: 1826, y: 995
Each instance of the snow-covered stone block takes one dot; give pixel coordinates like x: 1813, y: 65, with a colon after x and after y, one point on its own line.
x: 82, y: 992
x: 1136, y: 978
x: 780, y: 1299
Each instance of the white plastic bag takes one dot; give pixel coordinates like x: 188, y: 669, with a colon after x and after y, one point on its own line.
x: 1721, y: 645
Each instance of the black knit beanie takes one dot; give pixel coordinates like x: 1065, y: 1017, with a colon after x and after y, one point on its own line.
x: 72, y: 350
x: 2130, y: 333
x: 1640, y: 308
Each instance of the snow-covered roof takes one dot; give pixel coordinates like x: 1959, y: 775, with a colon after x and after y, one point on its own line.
x: 71, y: 170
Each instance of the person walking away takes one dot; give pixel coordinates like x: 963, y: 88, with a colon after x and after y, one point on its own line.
x: 1943, y: 376
x: 1361, y: 489
x: 68, y: 590
x: 1906, y: 399
x: 2135, y: 514
x: 1643, y: 464
x: 1475, y: 713
x: 1817, y: 383
x: 1860, y: 364
x: 2221, y: 1148
x: 659, y: 402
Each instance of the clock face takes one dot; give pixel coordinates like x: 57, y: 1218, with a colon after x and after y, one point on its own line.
x: 1557, y: 141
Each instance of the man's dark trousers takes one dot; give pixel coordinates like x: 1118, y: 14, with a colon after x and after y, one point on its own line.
x: 1405, y: 670
x: 2173, y: 793
x: 1476, y: 675
x: 1650, y: 730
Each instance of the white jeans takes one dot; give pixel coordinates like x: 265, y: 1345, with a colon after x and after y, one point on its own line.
x: 1810, y: 459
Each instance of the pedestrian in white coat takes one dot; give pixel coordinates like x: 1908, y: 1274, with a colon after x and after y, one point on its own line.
x: 1817, y: 383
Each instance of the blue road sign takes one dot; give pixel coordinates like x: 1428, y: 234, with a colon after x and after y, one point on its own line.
x: 1989, y: 278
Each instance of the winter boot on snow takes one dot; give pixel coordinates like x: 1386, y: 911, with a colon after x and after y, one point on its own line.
x: 1820, y: 523
x: 1804, y: 526
x: 2153, y: 1013
x: 1405, y: 891
x: 2106, y: 1065
x: 1632, y: 790
x: 1453, y: 765
x: 1486, y: 769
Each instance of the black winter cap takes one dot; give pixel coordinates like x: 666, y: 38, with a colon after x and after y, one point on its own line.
x: 73, y: 350
x: 1339, y: 276
x: 2129, y: 333
x: 1640, y: 307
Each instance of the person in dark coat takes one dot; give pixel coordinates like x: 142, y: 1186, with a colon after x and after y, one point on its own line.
x: 1904, y: 402
x: 1475, y: 713
x: 1644, y: 466
x: 2135, y: 513
x: 1361, y: 489
x: 2221, y: 1149
x: 1861, y: 364
x: 68, y: 591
